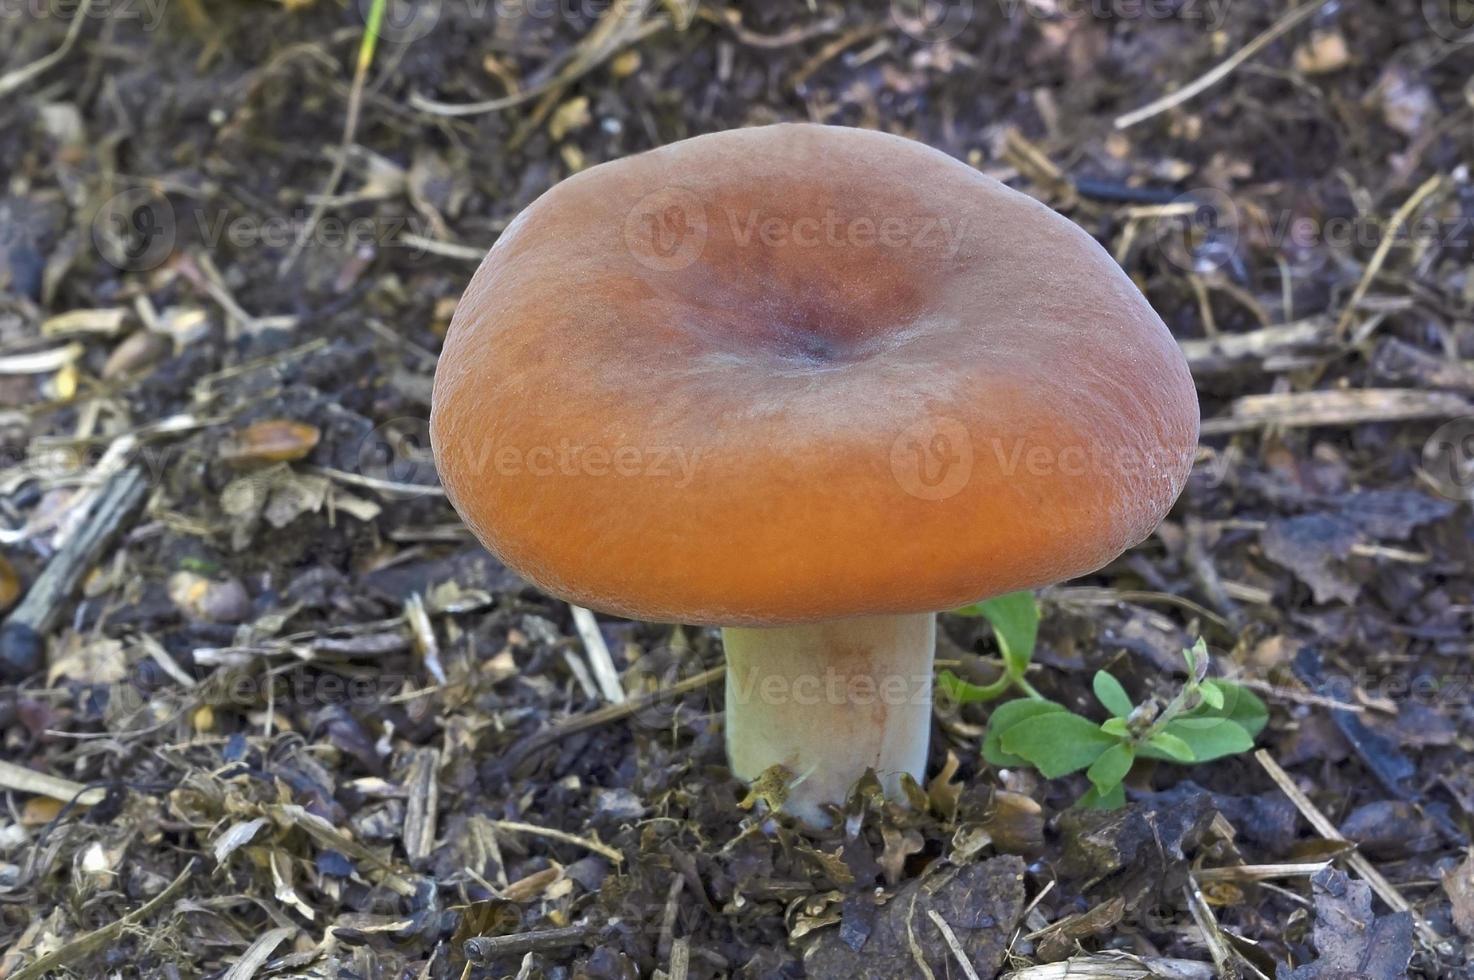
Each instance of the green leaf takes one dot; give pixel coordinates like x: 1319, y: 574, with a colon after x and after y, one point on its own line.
x: 1004, y: 717
x: 1207, y: 743
x: 1172, y: 746
x: 1015, y: 621
x: 1240, y: 705
x: 1212, y: 694
x: 1093, y: 799
x: 1107, y: 771
x: 1243, y: 707
x: 1110, y: 693
x: 1116, y: 727
x: 949, y: 685
x: 1057, y: 743
x: 1197, y: 659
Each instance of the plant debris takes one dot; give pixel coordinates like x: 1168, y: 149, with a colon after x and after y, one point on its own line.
x: 268, y: 711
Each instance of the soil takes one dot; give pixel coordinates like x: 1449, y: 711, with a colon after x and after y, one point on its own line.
x: 294, y: 721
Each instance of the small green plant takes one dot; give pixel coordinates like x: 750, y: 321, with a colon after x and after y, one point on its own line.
x: 1015, y: 621
x: 1206, y: 720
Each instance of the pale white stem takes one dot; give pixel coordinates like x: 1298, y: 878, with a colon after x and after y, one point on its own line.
x: 828, y: 701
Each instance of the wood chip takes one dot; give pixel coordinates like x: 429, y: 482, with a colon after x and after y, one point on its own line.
x: 23, y: 780
x: 600, y: 661
x: 1358, y: 861
x: 106, y: 321
x: 1354, y: 406
x: 423, y: 794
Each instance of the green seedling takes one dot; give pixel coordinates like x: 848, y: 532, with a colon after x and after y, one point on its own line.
x: 1206, y: 720
x: 1015, y: 621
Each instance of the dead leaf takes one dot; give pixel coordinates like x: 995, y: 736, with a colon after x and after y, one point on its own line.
x: 89, y: 661
x: 943, y: 793
x: 981, y: 904
x: 899, y: 845
x: 1061, y: 938
x: 270, y: 441
x: 237, y: 836
x: 1459, y: 884
x: 771, y: 788
x: 1325, y: 52
x: 1315, y: 547
x: 1015, y: 823
x: 1350, y: 939
x: 9, y: 584
x: 138, y: 352
x: 40, y: 810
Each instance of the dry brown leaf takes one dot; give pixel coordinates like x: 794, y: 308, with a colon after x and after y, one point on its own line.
x: 942, y: 791
x: 9, y: 584
x: 271, y: 441
x: 39, y: 811
x: 529, y: 888
x: 138, y: 352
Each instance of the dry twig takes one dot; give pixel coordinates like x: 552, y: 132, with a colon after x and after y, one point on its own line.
x: 1223, y: 69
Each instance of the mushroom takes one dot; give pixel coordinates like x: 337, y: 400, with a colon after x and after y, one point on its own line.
x: 811, y: 385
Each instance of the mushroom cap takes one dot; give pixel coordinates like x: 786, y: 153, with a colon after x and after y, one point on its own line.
x: 796, y: 373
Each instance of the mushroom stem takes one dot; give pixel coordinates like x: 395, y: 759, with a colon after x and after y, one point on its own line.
x: 829, y: 701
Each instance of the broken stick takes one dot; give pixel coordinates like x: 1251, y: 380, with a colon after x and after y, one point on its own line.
x: 22, y: 638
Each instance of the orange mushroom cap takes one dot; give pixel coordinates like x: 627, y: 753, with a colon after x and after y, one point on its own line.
x: 797, y: 373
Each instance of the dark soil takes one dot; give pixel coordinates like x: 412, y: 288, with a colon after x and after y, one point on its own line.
x: 293, y: 682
